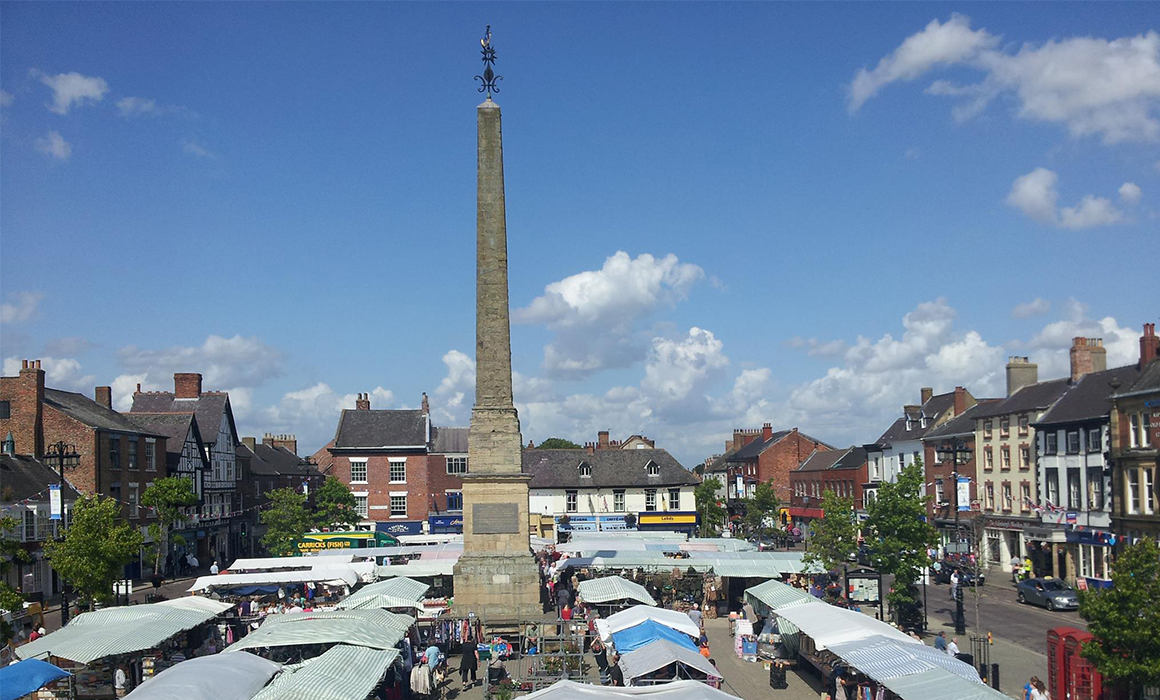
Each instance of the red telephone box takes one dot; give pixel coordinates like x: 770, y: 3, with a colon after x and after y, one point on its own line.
x: 1084, y: 681
x: 1057, y: 673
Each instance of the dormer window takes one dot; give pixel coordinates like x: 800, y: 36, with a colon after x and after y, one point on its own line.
x: 923, y: 422
x: 653, y: 468
x: 585, y: 470
x: 909, y: 424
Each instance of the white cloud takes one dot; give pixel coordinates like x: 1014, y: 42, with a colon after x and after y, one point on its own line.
x: 223, y: 362
x: 20, y: 306
x: 595, y: 312
x: 1093, y: 86
x: 53, y: 144
x: 1035, y: 307
x: 310, y: 413
x: 136, y: 106
x: 125, y: 384
x: 938, y: 44
x: 195, y: 149
x: 678, y: 368
x: 1036, y: 196
x: 1050, y: 347
x: 6, y: 98
x: 59, y: 373
x: 72, y: 89
x: 456, y: 392
x: 1130, y: 193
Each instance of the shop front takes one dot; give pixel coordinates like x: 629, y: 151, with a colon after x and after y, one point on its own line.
x: 592, y: 523
x: 395, y: 528
x: 445, y: 524
x: 1004, y: 539
x: 1091, y: 551
x: 676, y: 521
x: 1047, y: 549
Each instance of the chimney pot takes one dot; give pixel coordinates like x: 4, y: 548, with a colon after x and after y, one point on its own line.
x: 1087, y: 355
x: 1149, y: 344
x: 766, y: 432
x: 25, y: 365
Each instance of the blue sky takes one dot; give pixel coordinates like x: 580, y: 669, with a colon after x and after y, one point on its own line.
x: 718, y: 214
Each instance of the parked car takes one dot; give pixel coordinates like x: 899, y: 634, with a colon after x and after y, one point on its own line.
x: 1048, y: 592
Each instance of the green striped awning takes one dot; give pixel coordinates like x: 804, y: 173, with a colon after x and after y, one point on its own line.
x: 123, y: 630
x: 342, y: 673
x: 376, y: 629
x: 772, y: 595
x: 613, y: 588
x: 392, y: 593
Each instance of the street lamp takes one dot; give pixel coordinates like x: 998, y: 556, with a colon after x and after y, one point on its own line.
x: 956, y: 452
x: 65, y: 455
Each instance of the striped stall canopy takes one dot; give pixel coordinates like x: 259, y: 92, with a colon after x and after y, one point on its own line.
x: 660, y: 654
x: 883, y: 658
x: 674, y: 690
x: 274, y: 563
x: 937, y: 684
x: 772, y: 595
x: 336, y: 575
x: 828, y: 624
x: 423, y: 568
x: 342, y: 673
x: 376, y: 629
x: 95, y: 635
x: 613, y: 588
x: 392, y: 593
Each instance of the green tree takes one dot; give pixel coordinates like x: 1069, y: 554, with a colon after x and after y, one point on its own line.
x: 167, y: 497
x: 334, y: 504
x: 10, y: 553
x: 835, y: 534
x: 286, y: 519
x: 555, y: 443
x: 710, y: 510
x: 1125, y: 620
x: 96, y: 546
x: 896, y: 519
x: 761, y: 505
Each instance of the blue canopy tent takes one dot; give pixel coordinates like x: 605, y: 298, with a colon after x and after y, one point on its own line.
x: 648, y: 632
x: 28, y: 676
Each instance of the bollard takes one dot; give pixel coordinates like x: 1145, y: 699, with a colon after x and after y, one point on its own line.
x: 995, y: 676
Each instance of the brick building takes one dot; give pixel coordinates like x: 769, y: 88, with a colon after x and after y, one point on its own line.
x: 218, y: 534
x: 1135, y: 447
x: 632, y: 442
x: 842, y: 471
x: 940, y: 476
x: 767, y: 456
x: 271, y: 464
x: 117, y: 457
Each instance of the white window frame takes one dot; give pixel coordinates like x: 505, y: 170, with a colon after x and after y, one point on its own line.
x: 989, y: 491
x: 585, y: 471
x: 1146, y: 477
x: 653, y: 468
x: 397, y: 462
x: 650, y: 500
x: 457, y: 460
x: 1132, y: 497
x: 674, y: 499
x: 361, y: 504
x: 1007, y: 504
x: 1134, y: 429
x: 1145, y: 434
x: 618, y: 501
x: 133, y: 495
x: 398, y: 494
x: 571, y: 501
x: 365, y: 470
x: 150, y: 454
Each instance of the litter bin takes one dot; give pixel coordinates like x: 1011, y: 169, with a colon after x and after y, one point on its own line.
x: 777, y: 677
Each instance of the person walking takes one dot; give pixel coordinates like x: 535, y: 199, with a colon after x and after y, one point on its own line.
x: 955, y: 584
x: 1029, y: 686
x: 468, y: 664
x: 1039, y: 691
x: 563, y: 599
x: 696, y: 616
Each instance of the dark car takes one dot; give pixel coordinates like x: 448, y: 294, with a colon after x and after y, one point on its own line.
x: 942, y: 574
x: 1051, y: 593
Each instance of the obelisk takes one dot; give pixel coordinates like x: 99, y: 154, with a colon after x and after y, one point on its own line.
x: 496, y: 577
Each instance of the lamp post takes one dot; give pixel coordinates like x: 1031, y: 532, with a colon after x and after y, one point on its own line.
x: 956, y: 452
x: 65, y: 455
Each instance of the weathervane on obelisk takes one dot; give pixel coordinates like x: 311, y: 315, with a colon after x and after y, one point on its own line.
x: 489, y: 77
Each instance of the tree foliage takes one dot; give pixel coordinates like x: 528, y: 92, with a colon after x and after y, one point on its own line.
x: 334, y: 504
x: 901, y: 533
x: 167, y: 497
x: 1125, y: 619
x: 555, y: 443
x: 761, y: 505
x: 10, y: 553
x: 835, y: 534
x: 709, y: 509
x: 286, y: 519
x: 96, y: 546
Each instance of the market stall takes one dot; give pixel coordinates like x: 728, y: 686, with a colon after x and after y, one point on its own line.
x: 216, y: 677
x: 648, y: 632
x: 343, y: 672
x: 677, y: 690
x: 614, y: 590
x: 375, y: 629
x: 664, y: 661
x: 348, y: 575
x: 142, y: 640
x: 639, y: 614
x: 393, y: 593
x: 28, y: 676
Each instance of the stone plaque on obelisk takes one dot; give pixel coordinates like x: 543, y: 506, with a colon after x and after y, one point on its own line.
x: 496, y: 577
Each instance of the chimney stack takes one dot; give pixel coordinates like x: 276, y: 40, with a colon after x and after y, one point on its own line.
x: 925, y: 394
x: 187, y: 385
x: 961, y: 404
x: 1020, y: 373
x: 27, y: 409
x: 268, y: 439
x: 104, y: 396
x: 288, y: 442
x: 602, y: 440
x: 363, y: 403
x: 766, y: 432
x: 1087, y: 355
x: 590, y: 447
x: 426, y: 407
x: 1149, y: 344
x: 250, y: 442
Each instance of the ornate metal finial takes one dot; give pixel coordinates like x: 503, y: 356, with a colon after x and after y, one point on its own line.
x: 489, y: 77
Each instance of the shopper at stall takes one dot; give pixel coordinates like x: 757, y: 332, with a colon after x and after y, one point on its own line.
x: 615, y: 674
x: 696, y: 616
x: 601, y: 654
x: 468, y: 664
x: 120, y: 682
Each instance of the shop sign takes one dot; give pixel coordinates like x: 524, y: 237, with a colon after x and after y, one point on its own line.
x: 445, y: 523
x: 1005, y: 523
x: 671, y: 518
x: 612, y: 523
x: 406, y: 527
x: 1039, y: 534
x: 1071, y: 518
x: 311, y: 546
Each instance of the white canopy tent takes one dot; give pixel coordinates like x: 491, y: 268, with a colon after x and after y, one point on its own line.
x: 215, y: 677
x: 677, y: 690
x: 827, y: 624
x: 341, y: 575
x: 418, y: 569
x: 637, y: 614
x: 661, y: 653
x: 276, y: 563
x: 611, y: 589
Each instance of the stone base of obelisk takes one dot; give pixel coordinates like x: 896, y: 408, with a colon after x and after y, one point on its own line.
x: 496, y: 577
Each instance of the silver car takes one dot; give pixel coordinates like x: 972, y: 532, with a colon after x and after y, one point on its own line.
x: 1048, y: 592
